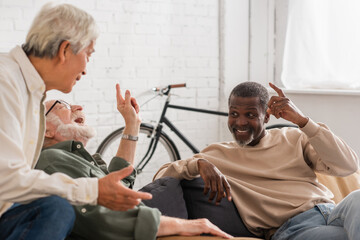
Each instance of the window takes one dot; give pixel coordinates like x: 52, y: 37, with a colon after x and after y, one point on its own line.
x: 322, y: 45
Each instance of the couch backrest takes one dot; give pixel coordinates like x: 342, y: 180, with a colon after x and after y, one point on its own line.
x: 340, y: 186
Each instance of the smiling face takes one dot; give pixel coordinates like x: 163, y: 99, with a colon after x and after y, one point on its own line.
x: 247, y: 120
x: 75, y: 66
x: 64, y: 124
x: 74, y: 115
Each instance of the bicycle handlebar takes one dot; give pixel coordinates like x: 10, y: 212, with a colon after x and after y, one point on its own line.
x: 179, y: 85
x: 166, y: 89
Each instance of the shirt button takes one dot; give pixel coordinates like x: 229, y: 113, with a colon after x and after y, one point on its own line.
x: 92, y: 163
x: 31, y: 141
x: 78, y: 146
x: 83, y: 210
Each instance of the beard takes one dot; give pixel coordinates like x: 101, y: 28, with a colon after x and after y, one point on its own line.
x: 242, y: 142
x: 76, y: 132
x: 72, y: 131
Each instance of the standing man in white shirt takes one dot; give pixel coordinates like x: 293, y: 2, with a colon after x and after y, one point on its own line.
x: 32, y: 203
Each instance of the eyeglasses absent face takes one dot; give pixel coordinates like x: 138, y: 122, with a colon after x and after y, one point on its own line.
x: 67, y: 105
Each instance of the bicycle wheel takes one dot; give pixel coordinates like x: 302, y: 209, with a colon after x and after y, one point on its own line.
x: 165, y: 152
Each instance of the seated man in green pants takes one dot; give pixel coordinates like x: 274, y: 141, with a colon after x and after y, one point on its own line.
x: 65, y: 138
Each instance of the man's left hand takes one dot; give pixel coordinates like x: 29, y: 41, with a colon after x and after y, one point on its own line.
x: 282, y: 107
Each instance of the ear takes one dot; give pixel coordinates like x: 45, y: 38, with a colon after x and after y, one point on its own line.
x: 267, y: 117
x: 49, y: 133
x: 63, y: 51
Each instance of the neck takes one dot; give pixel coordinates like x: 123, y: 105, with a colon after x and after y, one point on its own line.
x: 45, y: 68
x: 48, y: 142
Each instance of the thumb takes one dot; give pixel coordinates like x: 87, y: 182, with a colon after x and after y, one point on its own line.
x: 123, y: 173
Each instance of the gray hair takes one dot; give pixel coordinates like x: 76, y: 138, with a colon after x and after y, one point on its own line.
x: 57, y: 23
x: 251, y: 89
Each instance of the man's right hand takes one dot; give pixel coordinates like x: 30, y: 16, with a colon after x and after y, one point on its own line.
x: 115, y: 196
x: 214, y: 180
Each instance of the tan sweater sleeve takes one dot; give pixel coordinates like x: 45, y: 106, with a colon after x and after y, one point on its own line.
x: 181, y: 169
x: 328, y: 153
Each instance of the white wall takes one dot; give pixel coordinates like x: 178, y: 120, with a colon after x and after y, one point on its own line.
x: 142, y: 44
x: 158, y: 42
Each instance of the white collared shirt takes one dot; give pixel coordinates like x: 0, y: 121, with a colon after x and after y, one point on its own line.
x: 22, y: 126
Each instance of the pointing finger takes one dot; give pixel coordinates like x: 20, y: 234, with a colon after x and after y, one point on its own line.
x: 119, y: 97
x: 277, y: 90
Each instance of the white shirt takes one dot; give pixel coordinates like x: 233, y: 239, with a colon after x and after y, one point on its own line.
x: 22, y: 126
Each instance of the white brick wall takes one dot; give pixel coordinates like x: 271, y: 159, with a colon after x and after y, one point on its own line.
x: 142, y: 44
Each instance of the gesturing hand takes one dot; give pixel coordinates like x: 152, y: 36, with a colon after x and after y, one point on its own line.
x: 282, y: 107
x: 114, y: 195
x: 128, y: 107
x: 214, y: 180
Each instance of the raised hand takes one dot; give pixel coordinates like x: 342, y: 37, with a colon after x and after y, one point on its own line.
x: 114, y: 195
x: 128, y: 107
x: 215, y: 181
x: 282, y: 107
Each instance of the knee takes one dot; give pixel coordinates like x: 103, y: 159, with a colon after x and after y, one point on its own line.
x: 353, y: 197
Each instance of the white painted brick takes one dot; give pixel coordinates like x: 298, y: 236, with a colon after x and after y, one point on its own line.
x: 145, y: 72
x: 89, y: 108
x: 109, y: 5
x: 6, y: 25
x: 137, y: 7
x: 132, y: 39
x: 125, y: 17
x: 17, y: 3
x: 158, y: 40
x: 123, y: 28
x: 142, y: 44
x: 146, y: 51
x: 121, y: 51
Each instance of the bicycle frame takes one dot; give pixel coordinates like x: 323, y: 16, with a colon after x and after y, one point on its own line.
x: 163, y: 119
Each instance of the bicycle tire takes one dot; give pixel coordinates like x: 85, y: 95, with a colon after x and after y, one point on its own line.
x: 166, y: 151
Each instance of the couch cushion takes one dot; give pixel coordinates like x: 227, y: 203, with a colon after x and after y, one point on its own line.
x: 167, y: 197
x: 225, y: 215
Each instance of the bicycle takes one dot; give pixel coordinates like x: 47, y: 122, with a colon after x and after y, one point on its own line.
x: 153, y: 141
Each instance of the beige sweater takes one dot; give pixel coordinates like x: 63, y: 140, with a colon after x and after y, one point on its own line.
x: 275, y: 180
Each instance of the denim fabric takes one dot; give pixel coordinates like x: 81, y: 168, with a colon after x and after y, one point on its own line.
x: 45, y: 218
x: 325, y: 222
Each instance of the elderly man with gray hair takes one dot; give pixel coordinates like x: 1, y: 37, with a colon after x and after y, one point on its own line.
x: 64, y: 151
x: 33, y: 204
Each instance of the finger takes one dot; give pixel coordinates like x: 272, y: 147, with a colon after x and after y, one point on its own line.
x: 119, y: 97
x: 206, y: 187
x: 119, y: 175
x: 277, y: 90
x: 212, y: 195
x: 135, y: 105
x: 127, y: 97
x: 227, y: 189
x: 213, y: 191
x: 217, y: 232
x: 221, y: 192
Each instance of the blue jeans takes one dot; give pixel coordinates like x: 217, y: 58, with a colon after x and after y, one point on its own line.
x: 45, y: 218
x: 325, y: 222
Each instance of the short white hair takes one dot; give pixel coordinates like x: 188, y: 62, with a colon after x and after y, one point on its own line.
x: 57, y: 23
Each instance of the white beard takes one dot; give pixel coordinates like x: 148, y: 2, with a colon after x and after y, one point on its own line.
x: 72, y: 131
x: 76, y: 132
